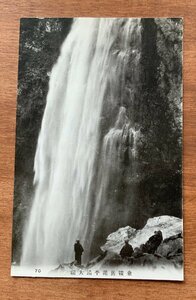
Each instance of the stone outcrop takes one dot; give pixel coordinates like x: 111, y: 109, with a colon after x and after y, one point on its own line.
x: 168, y: 252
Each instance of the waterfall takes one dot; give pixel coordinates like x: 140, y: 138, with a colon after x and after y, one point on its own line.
x: 89, y: 75
x: 119, y: 145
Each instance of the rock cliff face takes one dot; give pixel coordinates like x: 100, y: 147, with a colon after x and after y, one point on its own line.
x: 144, y: 176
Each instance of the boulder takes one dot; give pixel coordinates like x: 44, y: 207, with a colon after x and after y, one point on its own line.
x: 168, y: 225
x: 171, y: 246
x: 168, y: 248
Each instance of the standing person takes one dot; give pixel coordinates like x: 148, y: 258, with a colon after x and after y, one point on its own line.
x: 78, y: 252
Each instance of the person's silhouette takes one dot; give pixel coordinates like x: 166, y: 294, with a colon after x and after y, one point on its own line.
x: 127, y: 250
x: 78, y: 252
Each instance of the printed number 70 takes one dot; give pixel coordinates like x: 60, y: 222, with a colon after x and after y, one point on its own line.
x: 37, y: 270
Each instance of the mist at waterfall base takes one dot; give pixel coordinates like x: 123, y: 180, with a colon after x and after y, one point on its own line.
x: 87, y: 162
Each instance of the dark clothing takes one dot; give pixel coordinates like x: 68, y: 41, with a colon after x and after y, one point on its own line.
x: 78, y: 258
x: 78, y: 252
x: 153, y: 243
x: 126, y: 251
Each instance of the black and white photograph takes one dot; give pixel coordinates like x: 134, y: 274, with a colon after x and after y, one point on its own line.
x: 98, y: 157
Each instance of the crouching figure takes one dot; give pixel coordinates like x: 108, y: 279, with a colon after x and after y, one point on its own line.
x: 127, y: 250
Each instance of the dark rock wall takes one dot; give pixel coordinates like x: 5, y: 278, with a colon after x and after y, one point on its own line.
x: 150, y: 184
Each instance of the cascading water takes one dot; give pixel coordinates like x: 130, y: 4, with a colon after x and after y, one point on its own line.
x: 91, y: 70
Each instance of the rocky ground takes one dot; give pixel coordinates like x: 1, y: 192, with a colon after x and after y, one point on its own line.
x: 169, y: 252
